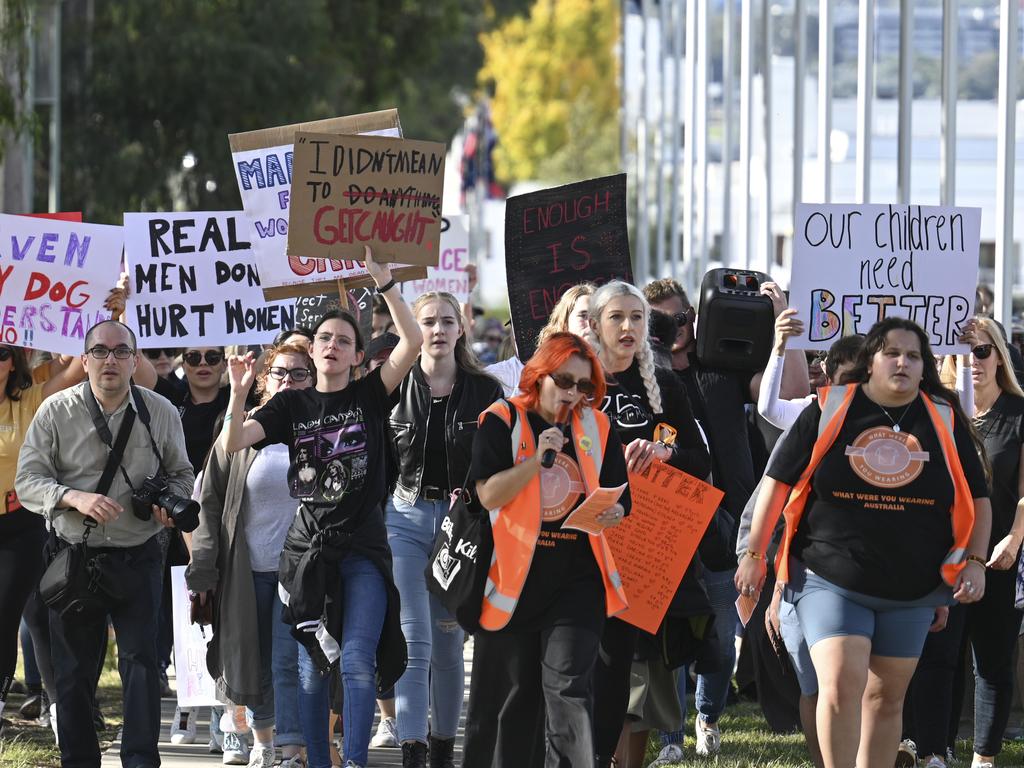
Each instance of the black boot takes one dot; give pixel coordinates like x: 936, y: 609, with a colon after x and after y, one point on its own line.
x: 442, y: 753
x: 414, y: 754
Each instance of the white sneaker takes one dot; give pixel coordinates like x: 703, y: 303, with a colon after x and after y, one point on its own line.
x: 183, y: 726
x: 262, y: 757
x: 386, y: 735
x: 236, y: 750
x: 53, y: 723
x: 669, y: 755
x: 295, y: 761
x: 983, y: 764
x: 709, y: 738
x: 935, y: 762
x: 906, y: 755
x: 216, y: 745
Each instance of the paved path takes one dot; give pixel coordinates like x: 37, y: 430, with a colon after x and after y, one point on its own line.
x: 189, y: 755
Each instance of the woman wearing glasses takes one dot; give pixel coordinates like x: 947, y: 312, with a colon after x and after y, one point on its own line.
x: 433, y: 426
x: 336, y: 564
x: 246, y: 512
x: 550, y: 587
x: 990, y: 626
x: 650, y: 413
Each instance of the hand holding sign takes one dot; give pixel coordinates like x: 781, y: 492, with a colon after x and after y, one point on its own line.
x: 381, y: 273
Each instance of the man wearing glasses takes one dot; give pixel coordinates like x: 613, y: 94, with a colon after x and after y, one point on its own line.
x: 59, y: 470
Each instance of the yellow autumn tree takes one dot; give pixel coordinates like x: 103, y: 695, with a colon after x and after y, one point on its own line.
x: 556, y: 96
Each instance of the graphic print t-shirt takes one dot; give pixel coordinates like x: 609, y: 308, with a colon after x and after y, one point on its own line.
x: 336, y: 445
x: 563, y: 561
x: 878, y: 521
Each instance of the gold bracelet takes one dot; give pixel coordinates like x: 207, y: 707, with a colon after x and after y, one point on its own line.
x: 755, y: 555
x: 977, y: 559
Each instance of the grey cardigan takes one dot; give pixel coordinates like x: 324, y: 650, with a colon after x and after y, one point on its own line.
x: 220, y: 562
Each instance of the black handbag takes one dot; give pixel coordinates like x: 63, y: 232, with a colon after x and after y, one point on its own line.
x: 457, y: 569
x: 73, y: 583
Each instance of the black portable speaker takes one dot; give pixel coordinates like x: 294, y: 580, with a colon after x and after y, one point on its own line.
x: 735, y: 323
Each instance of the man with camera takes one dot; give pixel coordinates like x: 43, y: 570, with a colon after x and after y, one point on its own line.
x: 105, y: 479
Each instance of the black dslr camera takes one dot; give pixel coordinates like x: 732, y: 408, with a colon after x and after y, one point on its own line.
x: 184, y: 512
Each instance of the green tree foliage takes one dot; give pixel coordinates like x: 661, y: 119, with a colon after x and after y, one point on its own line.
x: 147, y: 81
x: 14, y: 55
x: 556, y: 96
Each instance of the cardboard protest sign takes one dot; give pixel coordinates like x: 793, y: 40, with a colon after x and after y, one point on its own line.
x: 856, y: 264
x: 352, y: 191
x: 194, y: 282
x: 195, y: 686
x: 654, y: 545
x: 54, y: 277
x: 263, y: 162
x: 450, y: 273
x: 557, y: 238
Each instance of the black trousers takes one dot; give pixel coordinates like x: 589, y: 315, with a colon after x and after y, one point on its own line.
x: 78, y: 644
x: 928, y: 707
x: 529, y: 697
x: 611, y: 684
x: 22, y: 535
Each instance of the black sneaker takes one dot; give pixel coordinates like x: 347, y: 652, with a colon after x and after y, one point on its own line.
x: 442, y: 753
x: 414, y: 754
x: 31, y: 707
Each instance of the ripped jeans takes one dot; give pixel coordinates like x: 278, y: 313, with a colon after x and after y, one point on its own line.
x: 436, y: 674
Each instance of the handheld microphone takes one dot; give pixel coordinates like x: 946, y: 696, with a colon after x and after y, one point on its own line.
x: 548, y: 459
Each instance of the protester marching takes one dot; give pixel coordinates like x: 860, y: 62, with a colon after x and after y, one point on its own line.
x: 282, y: 455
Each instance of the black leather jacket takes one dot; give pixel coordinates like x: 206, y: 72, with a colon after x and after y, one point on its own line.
x: 471, y: 395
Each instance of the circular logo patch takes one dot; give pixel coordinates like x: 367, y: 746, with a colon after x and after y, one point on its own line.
x: 886, y: 459
x: 560, y: 488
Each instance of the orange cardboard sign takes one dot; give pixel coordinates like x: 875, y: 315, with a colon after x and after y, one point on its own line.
x: 654, y: 545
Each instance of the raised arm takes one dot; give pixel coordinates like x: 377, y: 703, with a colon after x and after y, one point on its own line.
x: 775, y: 410
x: 239, y: 432
x: 398, y: 365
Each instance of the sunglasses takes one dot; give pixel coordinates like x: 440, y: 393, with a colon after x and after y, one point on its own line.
x: 212, y: 357
x: 564, y: 381
x: 295, y: 374
x: 155, y: 354
x: 6, y: 354
x: 682, y: 319
x: 982, y: 351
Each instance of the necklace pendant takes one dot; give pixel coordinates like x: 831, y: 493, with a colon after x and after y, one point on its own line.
x: 895, y: 427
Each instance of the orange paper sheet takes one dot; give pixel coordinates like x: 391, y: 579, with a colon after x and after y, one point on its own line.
x: 745, y: 605
x: 655, y: 544
x: 584, y: 517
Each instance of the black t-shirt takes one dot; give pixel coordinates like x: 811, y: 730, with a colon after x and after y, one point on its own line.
x: 336, y: 443
x: 1002, y: 431
x: 435, y: 450
x: 878, y: 519
x: 631, y: 416
x: 197, y: 419
x: 564, y: 576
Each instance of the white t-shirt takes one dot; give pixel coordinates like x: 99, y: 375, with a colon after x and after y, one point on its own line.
x: 508, y: 372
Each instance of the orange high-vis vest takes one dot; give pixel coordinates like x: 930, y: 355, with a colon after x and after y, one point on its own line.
x: 516, y: 526
x: 835, y: 403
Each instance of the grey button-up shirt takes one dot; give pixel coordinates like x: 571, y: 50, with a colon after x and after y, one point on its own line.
x: 62, y: 451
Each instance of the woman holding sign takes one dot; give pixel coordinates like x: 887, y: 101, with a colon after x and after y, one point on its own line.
x: 535, y: 458
x: 887, y: 518
x: 650, y: 411
x: 336, y: 564
x: 433, y: 426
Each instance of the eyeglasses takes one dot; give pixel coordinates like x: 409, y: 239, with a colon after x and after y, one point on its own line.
x: 211, y: 356
x: 339, y: 339
x: 296, y: 374
x: 982, y: 351
x: 564, y: 381
x: 155, y: 354
x: 682, y: 319
x: 6, y: 354
x: 120, y: 353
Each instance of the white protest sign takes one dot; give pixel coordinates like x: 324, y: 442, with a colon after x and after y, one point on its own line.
x: 263, y: 170
x: 450, y: 273
x: 194, y: 283
x: 195, y: 686
x: 54, y: 277
x: 856, y: 264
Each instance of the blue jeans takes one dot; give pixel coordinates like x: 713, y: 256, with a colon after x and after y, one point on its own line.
x: 713, y: 688
x: 436, y: 672
x: 365, y: 597
x: 279, y: 666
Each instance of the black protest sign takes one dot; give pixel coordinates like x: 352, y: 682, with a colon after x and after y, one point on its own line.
x: 558, y: 238
x: 309, y: 309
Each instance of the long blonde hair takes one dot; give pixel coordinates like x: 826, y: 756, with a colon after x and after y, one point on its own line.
x: 644, y: 355
x: 465, y: 359
x: 558, y: 320
x: 1005, y: 377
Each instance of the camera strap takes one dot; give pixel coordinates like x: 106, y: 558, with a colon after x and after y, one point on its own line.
x: 116, y: 447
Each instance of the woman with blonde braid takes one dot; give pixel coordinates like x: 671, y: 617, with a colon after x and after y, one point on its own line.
x: 639, y: 401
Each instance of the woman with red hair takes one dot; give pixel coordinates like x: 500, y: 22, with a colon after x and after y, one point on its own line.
x: 549, y: 588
